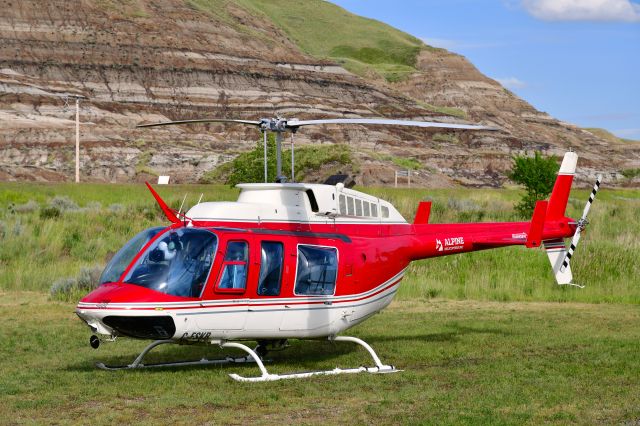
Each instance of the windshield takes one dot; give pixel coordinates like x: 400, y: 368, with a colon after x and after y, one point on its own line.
x: 177, y: 263
x: 118, y: 263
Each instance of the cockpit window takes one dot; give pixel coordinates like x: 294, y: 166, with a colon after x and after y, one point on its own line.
x: 177, y: 263
x: 118, y: 263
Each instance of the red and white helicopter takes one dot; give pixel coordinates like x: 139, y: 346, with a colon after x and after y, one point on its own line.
x: 293, y: 261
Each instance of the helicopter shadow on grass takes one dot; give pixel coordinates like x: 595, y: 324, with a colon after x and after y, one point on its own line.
x: 306, y: 351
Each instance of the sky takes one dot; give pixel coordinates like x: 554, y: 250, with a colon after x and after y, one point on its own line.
x: 578, y: 60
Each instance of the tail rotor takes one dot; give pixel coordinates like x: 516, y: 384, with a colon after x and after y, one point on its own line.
x: 581, y: 225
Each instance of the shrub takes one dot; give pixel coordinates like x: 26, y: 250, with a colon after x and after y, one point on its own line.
x: 64, y: 204
x: 538, y: 175
x: 70, y: 289
x: 28, y: 207
x: 49, y: 212
x: 249, y: 166
x: 631, y: 173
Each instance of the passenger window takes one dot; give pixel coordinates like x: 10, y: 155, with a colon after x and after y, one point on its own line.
x: 374, y: 210
x: 234, y: 268
x: 317, y: 271
x: 350, y: 209
x: 385, y: 211
x: 271, y: 259
x: 343, y: 205
x: 358, y: 207
x: 365, y: 207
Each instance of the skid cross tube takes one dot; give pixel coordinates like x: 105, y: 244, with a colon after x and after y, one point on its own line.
x: 267, y: 377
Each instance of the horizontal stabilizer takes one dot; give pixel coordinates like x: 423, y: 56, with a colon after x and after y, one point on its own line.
x: 534, y: 236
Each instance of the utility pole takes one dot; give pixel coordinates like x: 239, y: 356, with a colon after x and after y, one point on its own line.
x: 65, y: 97
x: 77, y: 139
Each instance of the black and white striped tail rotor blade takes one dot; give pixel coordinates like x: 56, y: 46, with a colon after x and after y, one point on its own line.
x: 582, y: 223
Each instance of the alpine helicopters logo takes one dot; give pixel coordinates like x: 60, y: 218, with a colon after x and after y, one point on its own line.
x: 455, y: 243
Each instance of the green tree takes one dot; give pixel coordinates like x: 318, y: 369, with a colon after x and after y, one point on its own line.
x: 538, y: 175
x: 248, y: 167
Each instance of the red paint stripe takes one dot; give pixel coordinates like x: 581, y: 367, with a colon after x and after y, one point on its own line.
x: 240, y: 304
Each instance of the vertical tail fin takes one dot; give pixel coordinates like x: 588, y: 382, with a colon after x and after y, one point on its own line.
x: 556, y: 248
x: 562, y: 187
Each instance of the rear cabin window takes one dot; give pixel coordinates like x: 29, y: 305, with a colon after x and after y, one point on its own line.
x: 271, y: 259
x: 358, y: 207
x: 385, y: 211
x: 234, y: 268
x: 350, y: 207
x: 343, y: 205
x: 317, y: 271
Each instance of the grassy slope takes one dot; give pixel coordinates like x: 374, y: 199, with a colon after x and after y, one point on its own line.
x: 324, y: 30
x: 608, y: 136
x: 464, y: 362
x: 606, y: 260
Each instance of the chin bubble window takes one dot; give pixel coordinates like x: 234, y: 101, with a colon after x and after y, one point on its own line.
x: 177, y: 263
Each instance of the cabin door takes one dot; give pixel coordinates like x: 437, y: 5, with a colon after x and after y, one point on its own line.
x: 226, y: 309
x: 265, y: 312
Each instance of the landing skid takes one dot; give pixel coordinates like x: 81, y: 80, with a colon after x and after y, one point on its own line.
x: 137, y: 363
x: 266, y: 377
x: 252, y: 356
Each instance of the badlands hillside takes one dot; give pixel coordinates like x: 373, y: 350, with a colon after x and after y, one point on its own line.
x: 143, y: 61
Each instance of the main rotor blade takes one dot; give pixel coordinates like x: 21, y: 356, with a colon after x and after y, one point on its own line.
x: 387, y: 122
x: 203, y: 120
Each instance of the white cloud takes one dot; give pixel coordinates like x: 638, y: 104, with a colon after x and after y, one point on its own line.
x: 584, y: 10
x: 512, y: 83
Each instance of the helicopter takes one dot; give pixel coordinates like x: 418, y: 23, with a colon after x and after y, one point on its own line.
x: 292, y: 260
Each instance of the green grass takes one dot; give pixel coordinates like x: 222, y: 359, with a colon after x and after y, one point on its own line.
x: 631, y: 173
x: 324, y: 30
x: 403, y: 162
x: 464, y: 363
x: 456, y: 112
x: 606, y: 260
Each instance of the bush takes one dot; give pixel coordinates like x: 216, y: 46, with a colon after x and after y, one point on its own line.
x: 631, y: 173
x: 28, y: 207
x: 249, y: 166
x: 64, y: 204
x: 49, y: 212
x: 538, y: 175
x: 71, y: 289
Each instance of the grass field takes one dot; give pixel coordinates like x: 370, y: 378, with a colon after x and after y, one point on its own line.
x: 480, y: 336
x: 465, y: 362
x: 320, y: 29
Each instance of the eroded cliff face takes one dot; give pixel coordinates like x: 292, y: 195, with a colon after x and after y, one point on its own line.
x: 142, y: 61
